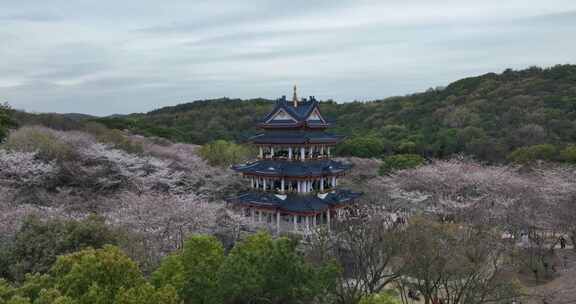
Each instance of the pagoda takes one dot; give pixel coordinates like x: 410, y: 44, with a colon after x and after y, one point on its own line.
x: 294, y: 180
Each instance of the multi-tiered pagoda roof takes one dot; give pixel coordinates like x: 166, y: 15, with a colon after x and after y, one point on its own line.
x: 294, y: 174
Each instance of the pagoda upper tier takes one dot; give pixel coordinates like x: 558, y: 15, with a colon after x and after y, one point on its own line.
x: 295, y: 115
x: 296, y: 137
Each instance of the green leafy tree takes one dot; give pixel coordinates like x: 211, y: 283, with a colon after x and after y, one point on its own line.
x: 6, y: 120
x: 95, y: 275
x: 170, y: 272
x: 7, y: 291
x: 537, y: 152
x: 568, y: 154
x: 38, y: 243
x: 147, y: 294
x: 224, y: 153
x: 363, y: 146
x: 202, y: 258
x: 34, y: 284
x: 381, y: 298
x: 18, y: 300
x: 263, y: 270
x: 194, y: 272
x: 400, y: 162
x: 52, y: 296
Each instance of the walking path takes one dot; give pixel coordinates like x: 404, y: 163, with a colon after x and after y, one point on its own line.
x: 561, y: 290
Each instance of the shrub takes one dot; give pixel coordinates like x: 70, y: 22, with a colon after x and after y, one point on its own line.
x: 363, y: 146
x: 6, y: 121
x: 38, y: 243
x: 569, y: 154
x: 41, y: 140
x: 400, y: 162
x: 113, y: 137
x: 532, y: 153
x: 224, y: 153
x: 381, y: 298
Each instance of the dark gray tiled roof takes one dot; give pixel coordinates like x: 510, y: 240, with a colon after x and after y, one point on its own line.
x: 300, y: 113
x: 279, y: 168
x: 296, y: 202
x: 296, y: 137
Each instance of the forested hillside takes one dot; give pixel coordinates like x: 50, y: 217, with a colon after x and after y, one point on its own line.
x: 488, y: 116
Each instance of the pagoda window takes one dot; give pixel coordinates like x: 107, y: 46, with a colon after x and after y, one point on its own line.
x: 282, y: 185
x: 282, y: 115
x: 322, y: 184
x: 302, y: 153
x: 314, y: 116
x: 328, y: 151
x: 290, y: 153
x: 322, y: 150
x: 261, y: 155
x: 333, y: 181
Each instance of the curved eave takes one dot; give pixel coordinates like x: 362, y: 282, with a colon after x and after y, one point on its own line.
x: 280, y: 142
x: 296, y: 169
x: 296, y: 203
x: 303, y: 176
x: 305, y: 139
x: 295, y: 125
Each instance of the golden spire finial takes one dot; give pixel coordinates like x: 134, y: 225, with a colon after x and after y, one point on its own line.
x: 295, y: 97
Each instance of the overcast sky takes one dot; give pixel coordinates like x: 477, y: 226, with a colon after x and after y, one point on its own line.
x: 122, y: 56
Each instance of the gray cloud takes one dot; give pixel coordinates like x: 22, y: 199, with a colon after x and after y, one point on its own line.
x: 131, y: 56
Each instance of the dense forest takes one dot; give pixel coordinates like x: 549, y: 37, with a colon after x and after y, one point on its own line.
x: 516, y: 115
x: 532, y: 112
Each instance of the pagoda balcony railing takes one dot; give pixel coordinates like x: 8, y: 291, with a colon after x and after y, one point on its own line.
x: 327, y: 189
x: 285, y: 158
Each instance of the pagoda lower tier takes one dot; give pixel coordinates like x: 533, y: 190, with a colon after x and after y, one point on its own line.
x: 297, y: 213
x: 293, y: 203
